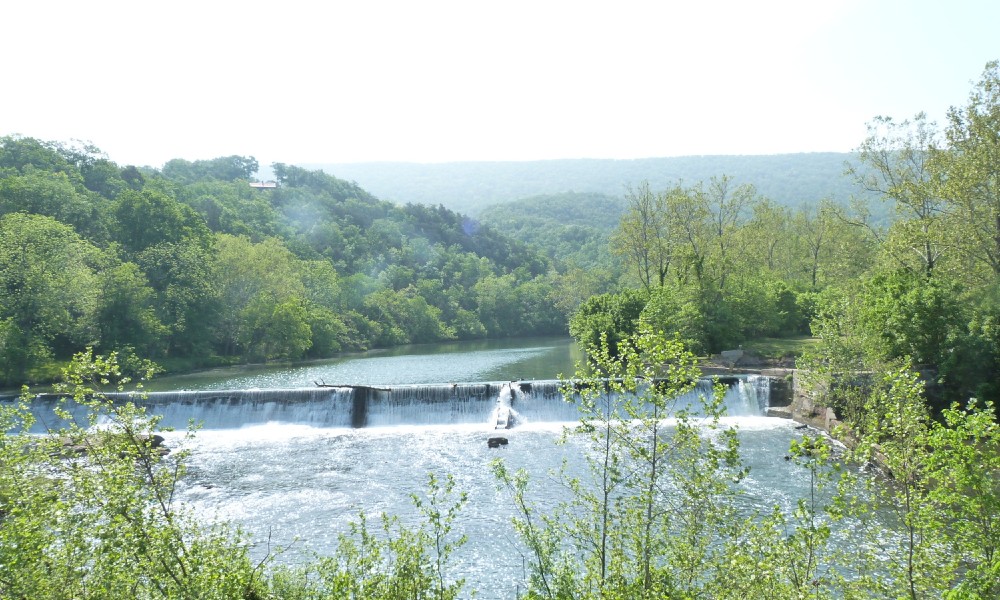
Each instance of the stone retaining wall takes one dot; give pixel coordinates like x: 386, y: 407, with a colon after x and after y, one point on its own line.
x: 790, y: 400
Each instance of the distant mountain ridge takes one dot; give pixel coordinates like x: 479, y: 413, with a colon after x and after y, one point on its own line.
x: 470, y: 187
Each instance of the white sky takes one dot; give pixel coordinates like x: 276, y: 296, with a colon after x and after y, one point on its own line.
x: 428, y: 80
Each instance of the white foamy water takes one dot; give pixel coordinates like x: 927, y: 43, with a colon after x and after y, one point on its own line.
x: 300, y: 486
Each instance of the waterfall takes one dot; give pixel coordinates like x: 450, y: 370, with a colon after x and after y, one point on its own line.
x: 218, y: 409
x: 497, y: 404
x: 758, y: 389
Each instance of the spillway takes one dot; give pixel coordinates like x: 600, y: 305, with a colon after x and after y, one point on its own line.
x: 374, y: 406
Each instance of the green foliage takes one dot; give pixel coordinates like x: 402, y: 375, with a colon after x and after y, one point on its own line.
x: 226, y: 168
x: 89, y: 512
x: 405, y: 317
x: 509, y: 306
x: 148, y: 218
x: 676, y: 312
x: 233, y: 207
x: 185, y: 300
x: 941, y: 491
x: 658, y: 512
x: 971, y: 175
x: 127, y: 312
x: 965, y: 461
x: 608, y: 318
x: 572, y: 228
x: 21, y: 155
x: 166, y: 278
x: 48, y: 291
x: 648, y: 518
x: 706, y: 321
x: 905, y: 316
x: 721, y: 264
x: 56, y: 195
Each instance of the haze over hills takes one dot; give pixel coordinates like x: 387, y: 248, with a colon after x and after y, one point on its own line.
x: 469, y: 187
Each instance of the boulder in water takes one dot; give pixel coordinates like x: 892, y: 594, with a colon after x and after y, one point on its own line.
x: 496, y: 442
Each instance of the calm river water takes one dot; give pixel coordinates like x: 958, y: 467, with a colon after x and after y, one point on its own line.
x: 487, y: 360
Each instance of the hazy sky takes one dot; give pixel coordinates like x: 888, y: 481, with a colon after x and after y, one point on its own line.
x: 427, y: 80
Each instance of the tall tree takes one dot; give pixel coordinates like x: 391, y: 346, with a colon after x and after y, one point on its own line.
x: 769, y: 235
x: 127, y: 312
x: 253, y: 281
x: 187, y: 299
x: 56, y: 195
x: 827, y: 247
x: 971, y: 169
x: 48, y: 291
x: 689, y: 216
x: 644, y: 235
x: 730, y: 210
x: 897, y: 164
x: 147, y: 218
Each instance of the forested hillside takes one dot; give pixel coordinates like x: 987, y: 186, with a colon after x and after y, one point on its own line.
x: 190, y: 262
x: 719, y: 263
x: 571, y: 227
x: 470, y: 187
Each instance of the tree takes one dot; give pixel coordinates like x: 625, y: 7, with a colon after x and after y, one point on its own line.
x: 575, y: 285
x: 939, y: 486
x: 20, y: 154
x: 828, y: 249
x: 644, y: 236
x: 897, y: 161
x: 677, y: 311
x: 48, y: 291
x: 903, y: 315
x: 233, y: 207
x: 690, y: 213
x: 971, y: 169
x: 253, y: 282
x: 898, y: 316
x: 55, y: 195
x: 405, y: 317
x: 276, y: 329
x: 226, y: 168
x: 324, y: 306
x: 769, y: 236
x: 127, y: 312
x: 608, y: 319
x: 498, y: 305
x: 187, y: 300
x: 90, y: 511
x: 318, y: 181
x: 647, y: 518
x: 964, y: 459
x: 103, y: 177
x: 144, y: 219
x: 729, y: 211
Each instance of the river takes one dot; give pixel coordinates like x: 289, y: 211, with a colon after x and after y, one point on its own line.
x: 482, y: 360
x: 287, y: 461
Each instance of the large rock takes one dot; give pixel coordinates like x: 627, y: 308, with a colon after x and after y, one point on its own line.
x: 496, y: 442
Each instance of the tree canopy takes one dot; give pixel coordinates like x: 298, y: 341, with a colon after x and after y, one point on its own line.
x: 191, y: 262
